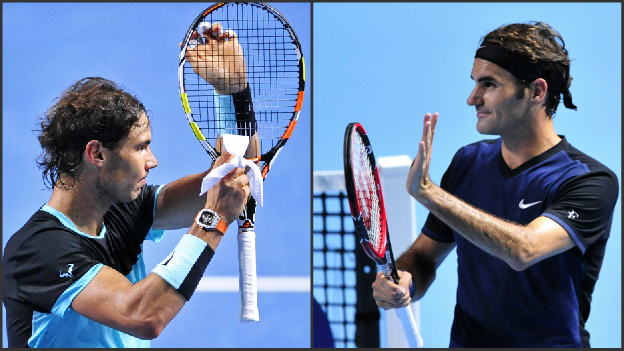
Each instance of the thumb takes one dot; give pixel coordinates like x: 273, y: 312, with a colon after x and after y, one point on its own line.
x: 230, y: 34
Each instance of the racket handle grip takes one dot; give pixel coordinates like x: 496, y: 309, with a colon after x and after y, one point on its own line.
x: 387, y: 271
x: 405, y: 315
x: 247, y: 275
x: 409, y: 327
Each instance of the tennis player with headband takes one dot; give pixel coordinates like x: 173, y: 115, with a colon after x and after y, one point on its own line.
x: 73, y: 275
x: 530, y: 214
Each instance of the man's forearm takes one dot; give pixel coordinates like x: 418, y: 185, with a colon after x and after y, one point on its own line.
x: 179, y: 202
x: 508, y: 241
x: 422, y: 270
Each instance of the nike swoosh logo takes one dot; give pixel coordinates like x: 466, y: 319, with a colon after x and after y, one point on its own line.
x: 169, y: 259
x: 523, y: 205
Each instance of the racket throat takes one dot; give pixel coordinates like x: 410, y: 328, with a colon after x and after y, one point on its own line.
x: 390, y: 272
x: 247, y: 219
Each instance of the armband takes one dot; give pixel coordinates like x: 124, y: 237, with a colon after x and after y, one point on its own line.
x: 185, y: 266
x: 412, y: 289
x: 245, y: 115
x: 225, y: 113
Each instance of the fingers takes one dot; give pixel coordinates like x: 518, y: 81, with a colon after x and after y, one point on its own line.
x: 195, y: 41
x: 212, y: 32
x: 238, y: 177
x: 429, y: 125
x: 207, y: 33
x: 230, y: 33
x: 434, y: 122
x: 223, y: 159
x: 242, y: 181
x: 426, y: 124
x: 229, y: 196
x: 204, y: 28
x: 405, y: 279
x: 216, y: 30
x: 388, y: 294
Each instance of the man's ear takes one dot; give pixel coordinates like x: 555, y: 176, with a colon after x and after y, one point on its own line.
x: 540, y: 88
x: 93, y: 153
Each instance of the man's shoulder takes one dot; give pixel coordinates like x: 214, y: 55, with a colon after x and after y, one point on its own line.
x: 40, y: 224
x: 582, y: 158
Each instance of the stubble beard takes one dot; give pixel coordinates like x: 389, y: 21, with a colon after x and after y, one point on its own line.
x: 110, y: 194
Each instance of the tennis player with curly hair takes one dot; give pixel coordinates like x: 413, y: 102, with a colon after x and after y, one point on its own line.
x: 529, y: 214
x: 73, y: 275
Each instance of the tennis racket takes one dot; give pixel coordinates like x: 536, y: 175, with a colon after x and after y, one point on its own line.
x: 241, y: 71
x: 369, y: 214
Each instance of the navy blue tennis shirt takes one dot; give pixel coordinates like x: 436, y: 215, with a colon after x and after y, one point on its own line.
x: 547, y: 304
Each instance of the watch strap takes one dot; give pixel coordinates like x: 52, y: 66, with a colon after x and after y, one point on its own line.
x: 221, y: 226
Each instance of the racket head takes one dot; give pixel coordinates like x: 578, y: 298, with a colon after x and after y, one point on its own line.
x: 364, y: 193
x: 275, y: 73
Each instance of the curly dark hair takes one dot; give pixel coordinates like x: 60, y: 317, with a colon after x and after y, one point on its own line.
x: 539, y: 44
x: 92, y: 108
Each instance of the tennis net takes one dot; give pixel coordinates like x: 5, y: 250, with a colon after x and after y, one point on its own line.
x: 342, y: 273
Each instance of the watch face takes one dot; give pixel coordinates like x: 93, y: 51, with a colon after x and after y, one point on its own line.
x: 208, y: 218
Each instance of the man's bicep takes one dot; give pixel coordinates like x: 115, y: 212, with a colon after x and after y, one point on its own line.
x: 48, y: 270
x: 108, y: 299
x: 142, y: 309
x: 549, y: 238
x: 101, y: 298
x: 584, y: 207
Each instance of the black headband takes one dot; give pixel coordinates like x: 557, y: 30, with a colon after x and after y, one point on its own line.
x: 522, y: 69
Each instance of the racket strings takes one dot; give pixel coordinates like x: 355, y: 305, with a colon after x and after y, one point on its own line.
x: 366, y: 191
x: 272, y: 70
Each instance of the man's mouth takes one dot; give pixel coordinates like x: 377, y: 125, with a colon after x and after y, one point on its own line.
x: 482, y: 113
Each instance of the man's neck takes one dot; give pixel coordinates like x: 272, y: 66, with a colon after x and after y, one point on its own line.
x: 532, y: 140
x: 81, y: 207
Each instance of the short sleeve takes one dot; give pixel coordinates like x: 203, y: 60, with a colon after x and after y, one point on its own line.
x: 584, y: 206
x: 135, y: 218
x: 155, y: 235
x: 46, y: 265
x: 434, y: 227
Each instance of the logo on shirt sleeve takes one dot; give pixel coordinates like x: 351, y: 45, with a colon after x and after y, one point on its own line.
x: 68, y: 273
x: 572, y: 214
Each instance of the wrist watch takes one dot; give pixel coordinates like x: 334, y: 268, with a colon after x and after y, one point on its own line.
x: 210, y: 220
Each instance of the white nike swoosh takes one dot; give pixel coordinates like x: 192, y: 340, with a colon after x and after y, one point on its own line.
x: 523, y: 205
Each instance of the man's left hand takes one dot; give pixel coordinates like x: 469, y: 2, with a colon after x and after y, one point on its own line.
x: 418, y: 181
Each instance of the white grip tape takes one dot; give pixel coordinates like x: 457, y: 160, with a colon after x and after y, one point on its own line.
x: 247, y: 275
x: 406, y: 317
x: 409, y: 327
